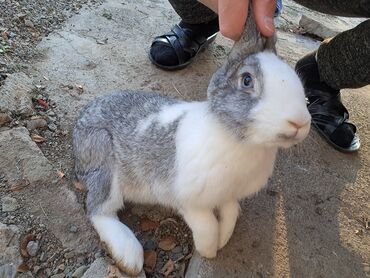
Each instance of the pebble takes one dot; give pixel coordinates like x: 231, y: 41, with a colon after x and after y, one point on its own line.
x: 60, y: 275
x: 36, y: 123
x: 79, y: 271
x: 177, y: 249
x: 52, y: 119
x: 367, y: 268
x: 98, y: 254
x: 150, y: 245
x: 9, y: 204
x: 186, y: 249
x: 176, y: 256
x: 32, y: 248
x: 73, y: 228
x: 48, y: 272
x: 28, y: 23
x: 51, y: 113
x: 43, y: 257
x: 52, y: 127
x: 69, y: 255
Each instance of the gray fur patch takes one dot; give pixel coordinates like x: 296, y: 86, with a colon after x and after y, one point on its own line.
x: 106, y: 137
x: 229, y: 102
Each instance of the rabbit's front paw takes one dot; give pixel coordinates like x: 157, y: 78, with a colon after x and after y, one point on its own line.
x: 228, y: 215
x: 204, y: 226
x: 121, y: 243
x: 209, y: 252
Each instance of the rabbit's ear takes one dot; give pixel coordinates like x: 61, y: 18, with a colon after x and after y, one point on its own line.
x: 251, y: 41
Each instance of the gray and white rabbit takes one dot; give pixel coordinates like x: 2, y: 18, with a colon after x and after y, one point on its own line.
x: 194, y: 157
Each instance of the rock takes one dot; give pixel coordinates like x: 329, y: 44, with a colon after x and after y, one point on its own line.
x: 10, y: 257
x: 4, y: 119
x: 177, y: 249
x: 9, y: 204
x: 35, y: 124
x: 8, y: 270
x: 43, y: 257
x: 54, y: 203
x: 21, y: 157
x: 73, y: 228
x: 60, y: 275
x: 99, y: 269
x: 79, y: 271
x: 69, y: 255
x: 52, y: 127
x: 29, y: 23
x: 317, y: 28
x: 150, y: 245
x: 15, y: 95
x: 32, y: 248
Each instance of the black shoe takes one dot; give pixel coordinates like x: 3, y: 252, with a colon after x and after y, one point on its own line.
x: 178, y: 48
x: 329, y: 116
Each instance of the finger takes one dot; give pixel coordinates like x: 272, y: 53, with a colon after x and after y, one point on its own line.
x: 232, y: 16
x: 263, y: 11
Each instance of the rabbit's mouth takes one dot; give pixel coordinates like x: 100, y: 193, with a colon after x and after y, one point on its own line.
x: 288, y: 140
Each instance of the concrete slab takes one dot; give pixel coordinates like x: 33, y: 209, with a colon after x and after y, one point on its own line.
x: 305, y: 224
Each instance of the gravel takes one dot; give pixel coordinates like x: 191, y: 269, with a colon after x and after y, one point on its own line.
x: 23, y: 23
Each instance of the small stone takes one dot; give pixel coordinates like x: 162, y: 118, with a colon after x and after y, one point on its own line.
x: 367, y: 268
x: 69, y: 255
x: 9, y: 204
x: 36, y: 269
x: 11, y: 34
x: 52, y: 127
x: 48, y: 272
x: 318, y: 210
x: 35, y: 124
x: 186, y: 249
x: 28, y: 23
x: 98, y: 254
x: 60, y: 275
x: 79, y: 271
x: 256, y: 243
x: 43, y: 257
x: 52, y: 119
x: 21, y: 16
x: 150, y: 245
x: 61, y: 267
x: 32, y: 248
x: 176, y: 256
x: 4, y: 118
x: 177, y: 249
x: 51, y: 113
x: 73, y: 228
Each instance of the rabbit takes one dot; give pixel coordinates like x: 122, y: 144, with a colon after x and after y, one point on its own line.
x: 194, y: 157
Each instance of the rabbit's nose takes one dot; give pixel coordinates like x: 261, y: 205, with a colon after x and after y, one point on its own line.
x: 298, y: 124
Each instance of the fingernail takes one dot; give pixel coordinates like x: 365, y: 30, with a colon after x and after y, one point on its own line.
x: 269, y: 23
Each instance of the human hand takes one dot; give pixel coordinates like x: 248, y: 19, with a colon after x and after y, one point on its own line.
x: 233, y: 14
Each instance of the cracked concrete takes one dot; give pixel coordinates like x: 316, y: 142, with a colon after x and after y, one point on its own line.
x: 304, y: 224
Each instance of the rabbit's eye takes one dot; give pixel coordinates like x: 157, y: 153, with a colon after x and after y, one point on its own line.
x: 247, y: 81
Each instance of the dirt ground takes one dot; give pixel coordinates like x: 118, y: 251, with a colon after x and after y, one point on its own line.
x: 55, y: 56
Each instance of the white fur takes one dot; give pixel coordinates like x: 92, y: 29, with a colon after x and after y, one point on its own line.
x: 283, y: 101
x: 120, y: 240
x: 145, y: 123
x: 214, y: 169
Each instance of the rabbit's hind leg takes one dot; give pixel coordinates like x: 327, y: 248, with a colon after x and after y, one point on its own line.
x: 120, y: 241
x: 95, y: 167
